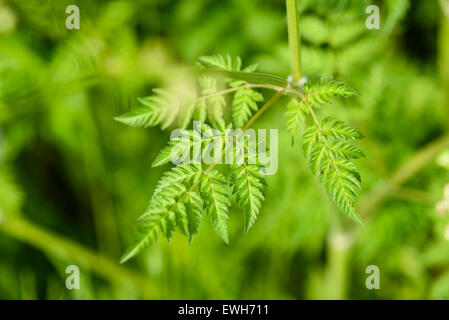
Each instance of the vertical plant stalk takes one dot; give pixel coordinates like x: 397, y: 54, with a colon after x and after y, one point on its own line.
x: 339, y: 246
x: 337, y: 269
x: 103, y: 212
x: 294, y: 39
x: 444, y: 50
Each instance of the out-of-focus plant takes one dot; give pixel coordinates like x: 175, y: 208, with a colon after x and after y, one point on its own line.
x: 71, y: 169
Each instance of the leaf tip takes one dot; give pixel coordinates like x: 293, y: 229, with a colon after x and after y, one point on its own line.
x: 119, y: 118
x: 125, y: 257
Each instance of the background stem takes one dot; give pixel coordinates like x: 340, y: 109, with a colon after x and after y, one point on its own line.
x: 73, y: 253
x: 384, y: 190
x: 443, y: 50
x: 294, y: 39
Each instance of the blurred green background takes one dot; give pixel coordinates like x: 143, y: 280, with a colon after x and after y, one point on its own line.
x: 73, y: 181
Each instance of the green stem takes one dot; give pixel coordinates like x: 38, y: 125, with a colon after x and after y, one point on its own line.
x: 250, y: 77
x: 105, y: 223
x: 416, y: 196
x: 336, y: 274
x: 73, y: 253
x: 245, y: 86
x: 444, y: 50
x: 263, y: 109
x: 384, y: 190
x: 294, y: 39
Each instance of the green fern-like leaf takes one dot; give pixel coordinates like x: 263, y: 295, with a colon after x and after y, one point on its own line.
x: 173, y: 108
x: 177, y: 175
x: 341, y: 180
x: 215, y: 104
x: 222, y: 62
x: 188, y: 218
x: 177, y: 148
x: 146, y: 115
x: 157, y: 221
x: 320, y: 91
x: 171, y: 201
x: 216, y: 195
x: 183, y: 148
x: 249, y: 189
x: 345, y: 150
x: 326, y: 146
x: 174, y: 150
x: 335, y: 129
x: 243, y: 105
x: 329, y: 159
x: 310, y: 139
x: 245, y: 99
x: 160, y: 109
x: 186, y: 193
x: 296, y: 113
x: 316, y: 93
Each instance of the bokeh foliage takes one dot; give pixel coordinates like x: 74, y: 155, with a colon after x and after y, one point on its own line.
x: 73, y: 181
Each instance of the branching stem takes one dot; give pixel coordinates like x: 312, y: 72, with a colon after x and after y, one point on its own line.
x: 245, y: 86
x: 279, y: 92
x: 71, y: 252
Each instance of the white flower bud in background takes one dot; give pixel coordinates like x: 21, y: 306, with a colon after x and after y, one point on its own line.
x: 442, y: 207
x: 443, y: 159
x: 446, y: 192
x: 8, y: 19
x: 446, y: 233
